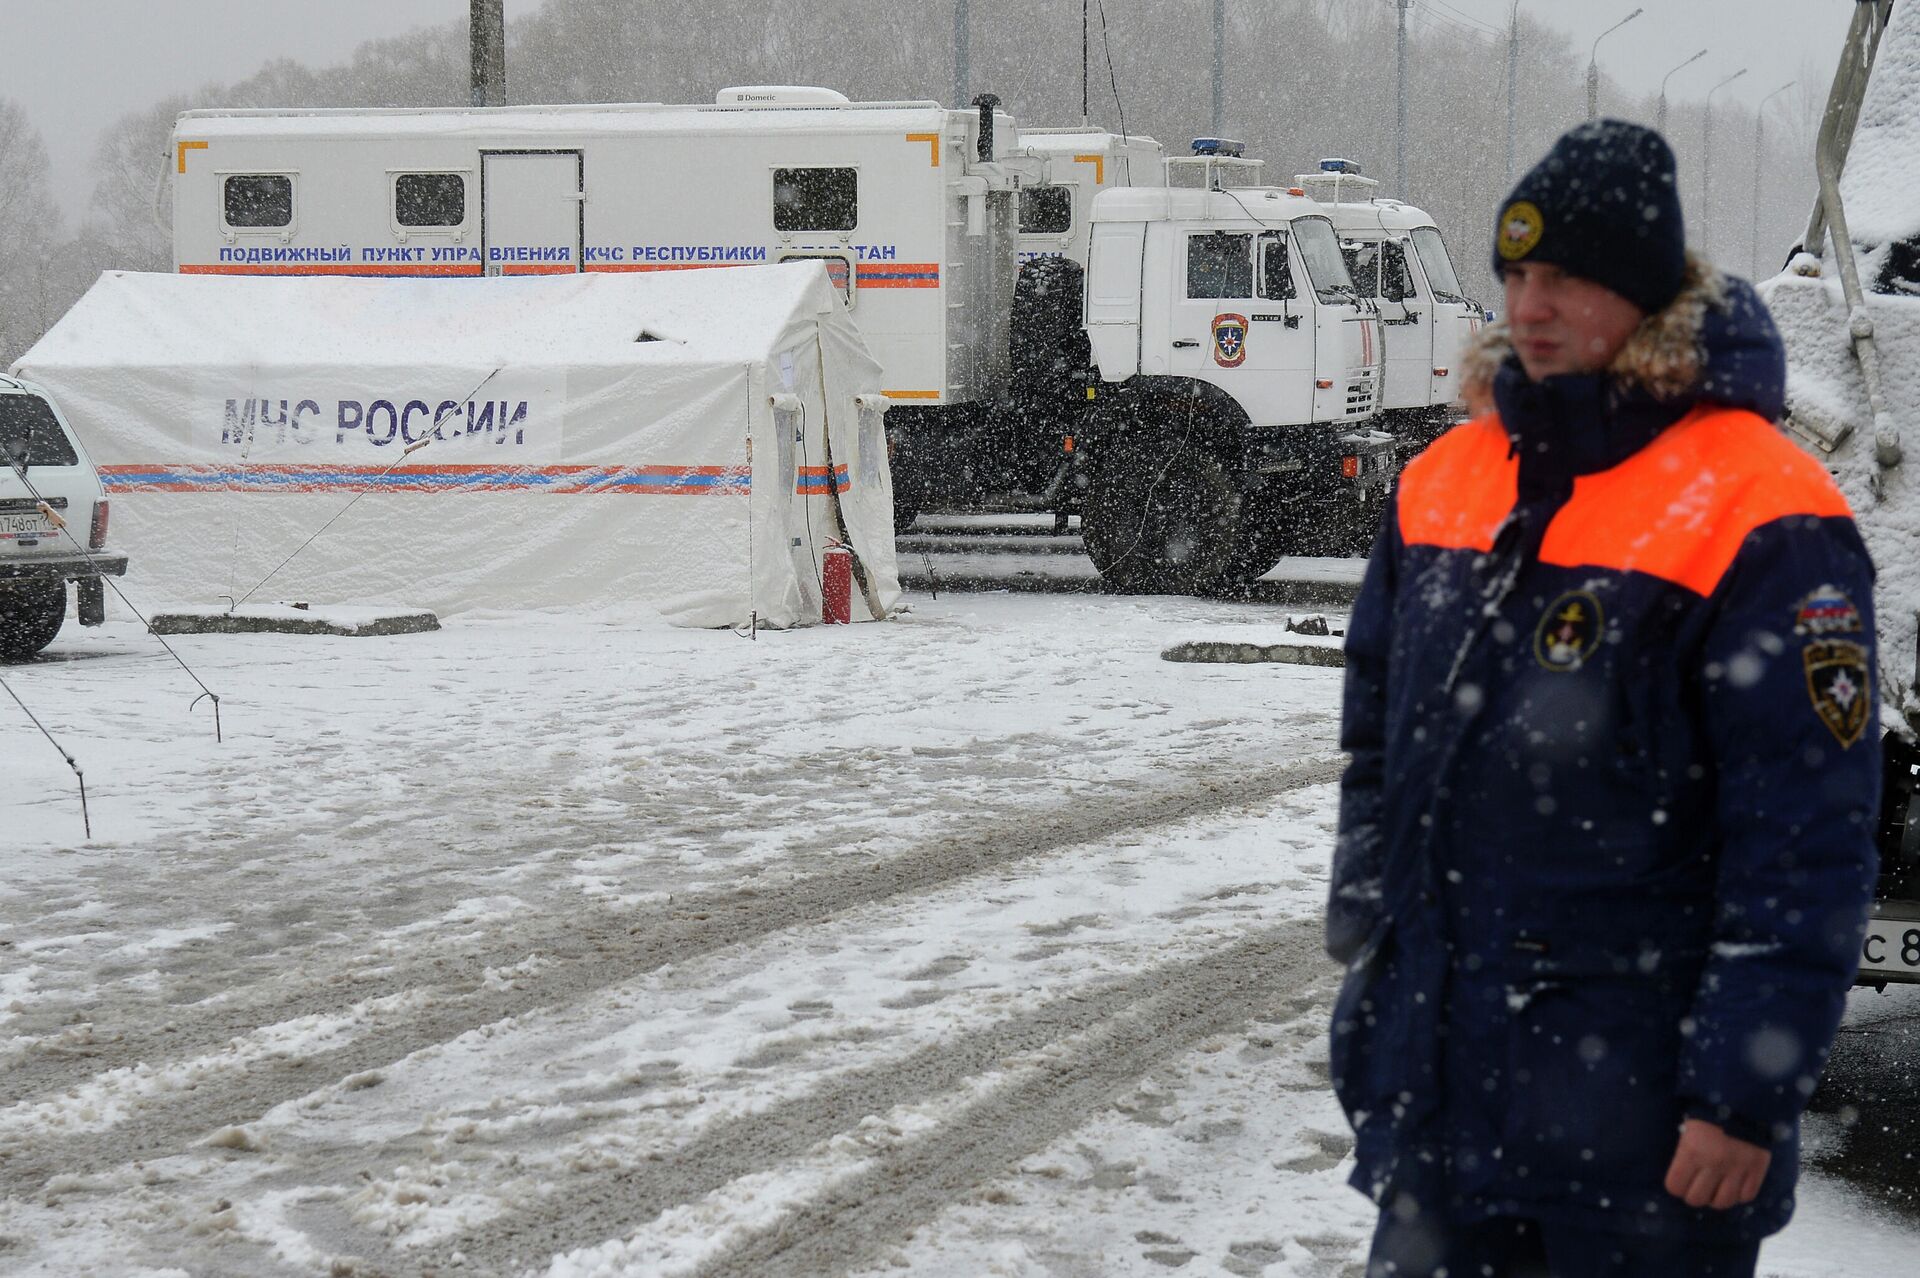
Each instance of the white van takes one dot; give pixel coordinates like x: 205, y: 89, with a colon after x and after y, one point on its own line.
x: 53, y: 524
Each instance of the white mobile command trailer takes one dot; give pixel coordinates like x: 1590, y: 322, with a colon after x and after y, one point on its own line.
x: 905, y: 201
x: 1398, y: 258
x: 914, y: 208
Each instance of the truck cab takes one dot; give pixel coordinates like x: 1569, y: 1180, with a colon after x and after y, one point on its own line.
x: 1399, y: 259
x: 1234, y: 370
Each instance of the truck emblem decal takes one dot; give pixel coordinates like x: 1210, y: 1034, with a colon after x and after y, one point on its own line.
x: 1520, y: 229
x: 1229, y: 340
x: 1569, y: 631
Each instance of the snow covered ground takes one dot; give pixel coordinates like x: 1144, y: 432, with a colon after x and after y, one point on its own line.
x: 982, y: 942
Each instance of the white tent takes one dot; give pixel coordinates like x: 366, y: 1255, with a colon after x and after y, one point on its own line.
x: 692, y: 440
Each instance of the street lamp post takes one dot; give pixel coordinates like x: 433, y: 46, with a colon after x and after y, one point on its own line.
x: 1706, y: 164
x: 1660, y: 113
x: 1593, y: 65
x: 1759, y: 127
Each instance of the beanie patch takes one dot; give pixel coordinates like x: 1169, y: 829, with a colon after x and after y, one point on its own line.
x: 1521, y: 227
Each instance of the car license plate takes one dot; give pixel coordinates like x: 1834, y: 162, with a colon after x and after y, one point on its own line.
x: 18, y: 524
x: 1891, y: 948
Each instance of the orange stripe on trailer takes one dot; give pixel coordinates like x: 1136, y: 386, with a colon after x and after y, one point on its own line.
x: 541, y: 268
x: 906, y: 394
x: 1099, y: 163
x: 340, y: 268
x: 933, y: 145
x: 664, y: 266
x: 180, y: 153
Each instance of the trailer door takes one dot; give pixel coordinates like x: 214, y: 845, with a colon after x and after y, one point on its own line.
x: 532, y: 212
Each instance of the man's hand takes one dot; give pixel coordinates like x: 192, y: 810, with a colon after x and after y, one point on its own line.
x: 1713, y: 1169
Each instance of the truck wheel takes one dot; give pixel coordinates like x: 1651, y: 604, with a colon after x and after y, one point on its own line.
x: 30, y: 616
x: 1162, y: 522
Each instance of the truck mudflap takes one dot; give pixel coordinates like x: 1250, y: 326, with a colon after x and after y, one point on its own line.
x: 64, y: 567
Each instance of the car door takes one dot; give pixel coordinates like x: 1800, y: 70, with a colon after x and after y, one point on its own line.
x: 1406, y: 320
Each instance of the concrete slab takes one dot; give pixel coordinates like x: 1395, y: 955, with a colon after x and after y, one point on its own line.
x: 1299, y: 650
x: 353, y: 621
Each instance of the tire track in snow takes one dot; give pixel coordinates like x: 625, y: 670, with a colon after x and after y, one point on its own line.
x: 580, y: 956
x: 1102, y: 1040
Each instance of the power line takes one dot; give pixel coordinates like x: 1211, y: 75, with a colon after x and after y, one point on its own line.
x: 1469, y: 19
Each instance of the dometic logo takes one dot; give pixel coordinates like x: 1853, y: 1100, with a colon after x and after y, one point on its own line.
x: 1229, y: 340
x: 1520, y: 229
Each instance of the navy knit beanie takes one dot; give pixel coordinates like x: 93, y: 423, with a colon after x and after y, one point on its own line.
x: 1604, y: 205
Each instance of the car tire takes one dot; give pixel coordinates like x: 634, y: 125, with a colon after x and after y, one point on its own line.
x: 30, y: 616
x: 1162, y: 521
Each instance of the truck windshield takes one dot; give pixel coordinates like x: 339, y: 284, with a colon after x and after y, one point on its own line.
x: 30, y: 435
x: 1320, y: 249
x: 1433, y: 256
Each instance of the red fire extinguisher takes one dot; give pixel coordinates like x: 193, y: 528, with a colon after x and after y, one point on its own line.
x: 836, y: 586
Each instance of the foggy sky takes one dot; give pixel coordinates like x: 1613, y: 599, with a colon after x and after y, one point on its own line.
x: 78, y: 65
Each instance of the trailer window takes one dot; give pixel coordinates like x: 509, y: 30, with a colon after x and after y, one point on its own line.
x: 816, y: 199
x: 1439, y: 267
x: 259, y: 199
x: 430, y: 199
x: 1046, y: 210
x: 1219, y: 264
x: 1276, y: 268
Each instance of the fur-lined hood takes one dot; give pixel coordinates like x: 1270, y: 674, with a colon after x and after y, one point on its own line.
x: 1715, y: 341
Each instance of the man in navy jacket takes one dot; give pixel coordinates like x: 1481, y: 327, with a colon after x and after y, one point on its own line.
x: 1606, y: 840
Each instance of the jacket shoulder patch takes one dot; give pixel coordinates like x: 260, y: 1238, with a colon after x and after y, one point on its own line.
x: 1839, y: 674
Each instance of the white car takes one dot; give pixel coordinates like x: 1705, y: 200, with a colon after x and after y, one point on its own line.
x: 53, y: 524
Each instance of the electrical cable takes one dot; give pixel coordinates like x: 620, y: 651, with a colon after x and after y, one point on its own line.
x: 60, y: 523
x: 86, y: 820
x: 338, y: 514
x: 1106, y: 42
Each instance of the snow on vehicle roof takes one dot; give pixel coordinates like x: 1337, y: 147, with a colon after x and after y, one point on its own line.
x: 1881, y: 183
x: 628, y: 117
x: 1079, y: 139
x: 1384, y: 215
x: 1242, y: 204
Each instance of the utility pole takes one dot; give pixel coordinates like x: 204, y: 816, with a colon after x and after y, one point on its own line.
x: 1400, y: 111
x: 1593, y: 65
x: 487, y: 38
x: 1219, y: 67
x: 1660, y: 112
x: 1706, y: 163
x: 961, y: 72
x: 1759, y: 127
x: 1086, y: 114
x: 1513, y: 84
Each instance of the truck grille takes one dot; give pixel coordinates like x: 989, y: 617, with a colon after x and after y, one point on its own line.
x: 1362, y: 388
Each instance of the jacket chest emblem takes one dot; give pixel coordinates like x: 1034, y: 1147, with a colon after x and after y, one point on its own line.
x: 1568, y: 632
x: 1839, y: 680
